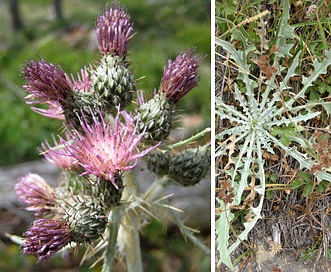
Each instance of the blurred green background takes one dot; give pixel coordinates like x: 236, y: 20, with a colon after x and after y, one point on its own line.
x: 163, y: 28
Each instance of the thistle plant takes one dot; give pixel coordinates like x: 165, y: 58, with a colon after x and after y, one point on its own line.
x: 255, y: 124
x: 98, y: 202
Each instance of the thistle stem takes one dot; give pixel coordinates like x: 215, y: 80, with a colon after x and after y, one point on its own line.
x: 191, y: 139
x: 114, y: 220
x: 130, y: 226
x: 132, y: 250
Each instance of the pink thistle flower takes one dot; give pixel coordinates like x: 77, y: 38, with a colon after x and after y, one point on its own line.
x: 54, y: 110
x: 83, y: 83
x: 180, y: 77
x: 129, y: 123
x: 45, y: 82
x: 46, y: 237
x: 103, y: 150
x: 33, y: 191
x: 114, y: 31
x: 59, y: 154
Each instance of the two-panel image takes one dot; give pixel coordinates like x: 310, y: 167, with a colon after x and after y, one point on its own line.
x: 178, y: 136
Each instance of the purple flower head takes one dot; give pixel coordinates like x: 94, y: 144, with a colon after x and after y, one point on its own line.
x: 33, y: 191
x: 180, y: 77
x: 114, y: 31
x: 59, y: 154
x: 54, y: 110
x: 104, y: 150
x: 45, y: 82
x: 45, y: 238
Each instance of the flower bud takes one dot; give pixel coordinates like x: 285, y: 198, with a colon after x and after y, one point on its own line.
x: 180, y: 77
x: 114, y: 31
x: 33, y: 191
x: 45, y: 82
x: 158, y: 161
x: 84, y: 215
x: 190, y: 166
x: 46, y: 237
x: 107, y: 193
x: 79, y: 104
x: 113, y: 83
x: 155, y: 118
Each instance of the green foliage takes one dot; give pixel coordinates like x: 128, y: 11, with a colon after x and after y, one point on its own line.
x: 285, y: 133
x: 328, y: 253
x: 304, y: 182
x: 261, y: 119
x: 306, y: 255
x: 307, y: 184
x: 15, y: 126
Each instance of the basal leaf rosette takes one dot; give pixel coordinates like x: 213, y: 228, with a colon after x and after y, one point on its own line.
x: 262, y: 107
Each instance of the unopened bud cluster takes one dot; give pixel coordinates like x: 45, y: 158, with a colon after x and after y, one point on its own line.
x: 184, y: 168
x: 102, y: 140
x: 190, y: 166
x: 113, y: 81
x: 155, y: 118
x: 84, y: 215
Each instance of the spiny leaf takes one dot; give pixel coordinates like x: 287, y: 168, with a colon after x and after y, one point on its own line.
x: 319, y: 68
x: 237, y: 56
x: 285, y: 32
x: 239, y: 130
x: 303, y: 160
x: 257, y: 211
x: 248, y: 226
x: 294, y: 120
x: 322, y: 175
x: 311, y: 104
x: 222, y: 226
x: 222, y: 107
x: 247, y: 149
x: 290, y: 73
x: 239, y: 97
